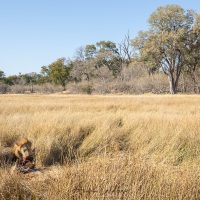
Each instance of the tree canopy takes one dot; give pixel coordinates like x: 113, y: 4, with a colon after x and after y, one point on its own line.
x: 166, y: 44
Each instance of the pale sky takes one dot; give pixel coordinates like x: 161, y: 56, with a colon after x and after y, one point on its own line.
x: 34, y: 33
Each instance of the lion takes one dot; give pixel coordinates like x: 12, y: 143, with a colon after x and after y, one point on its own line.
x: 24, y: 156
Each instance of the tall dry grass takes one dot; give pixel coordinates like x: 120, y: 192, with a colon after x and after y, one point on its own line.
x: 105, y: 147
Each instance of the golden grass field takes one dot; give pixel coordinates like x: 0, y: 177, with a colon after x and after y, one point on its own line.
x: 104, y: 147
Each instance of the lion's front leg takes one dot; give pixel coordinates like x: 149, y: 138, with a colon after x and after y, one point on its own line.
x: 13, y: 168
x: 20, y: 166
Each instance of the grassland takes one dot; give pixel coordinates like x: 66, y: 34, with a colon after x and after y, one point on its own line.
x: 104, y: 147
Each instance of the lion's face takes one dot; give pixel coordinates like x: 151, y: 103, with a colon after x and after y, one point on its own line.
x: 22, y: 150
x: 26, y: 151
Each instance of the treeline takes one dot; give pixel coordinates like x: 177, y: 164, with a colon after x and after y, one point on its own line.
x: 164, y: 59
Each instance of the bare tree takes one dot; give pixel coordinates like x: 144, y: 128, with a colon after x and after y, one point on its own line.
x: 80, y: 54
x: 124, y: 49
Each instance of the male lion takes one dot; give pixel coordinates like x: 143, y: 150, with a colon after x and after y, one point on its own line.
x: 24, y: 156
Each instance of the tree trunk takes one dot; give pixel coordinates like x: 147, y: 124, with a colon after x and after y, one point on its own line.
x: 173, y: 86
x: 184, y: 88
x: 195, y: 84
x: 31, y: 87
x: 64, y: 87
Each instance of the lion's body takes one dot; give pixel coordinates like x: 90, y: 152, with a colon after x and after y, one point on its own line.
x: 6, y: 156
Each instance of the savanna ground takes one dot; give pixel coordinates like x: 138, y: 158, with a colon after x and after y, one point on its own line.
x: 104, y: 147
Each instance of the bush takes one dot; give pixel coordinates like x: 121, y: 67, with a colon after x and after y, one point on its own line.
x: 4, y: 88
x: 19, y: 89
x: 47, y: 88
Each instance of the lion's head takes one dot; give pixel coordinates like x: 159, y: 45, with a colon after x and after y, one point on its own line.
x: 22, y: 149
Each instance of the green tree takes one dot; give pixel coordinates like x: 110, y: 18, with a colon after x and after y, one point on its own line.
x: 31, y: 79
x: 90, y: 51
x: 2, y: 76
x: 110, y: 60
x: 44, y: 75
x: 58, y: 72
x: 108, y: 56
x: 164, y: 46
x: 106, y: 46
x: 12, y: 80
